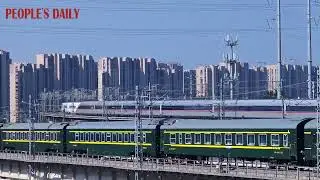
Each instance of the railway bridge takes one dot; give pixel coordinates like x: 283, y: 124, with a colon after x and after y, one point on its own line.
x: 21, y: 165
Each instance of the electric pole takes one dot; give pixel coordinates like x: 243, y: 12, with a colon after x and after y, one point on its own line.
x: 138, y: 134
x: 309, y: 51
x: 150, y: 101
x: 318, y: 121
x: 221, y: 99
x: 31, y: 128
x: 279, y: 52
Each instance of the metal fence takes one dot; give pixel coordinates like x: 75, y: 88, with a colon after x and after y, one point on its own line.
x: 232, y: 169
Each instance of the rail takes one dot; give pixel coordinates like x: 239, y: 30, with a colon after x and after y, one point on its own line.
x: 232, y: 169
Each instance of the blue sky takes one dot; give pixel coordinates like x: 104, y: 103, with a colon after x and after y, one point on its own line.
x: 185, y: 31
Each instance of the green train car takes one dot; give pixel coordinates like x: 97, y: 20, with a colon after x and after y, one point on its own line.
x: 281, y: 140
x: 109, y: 138
x: 46, y: 137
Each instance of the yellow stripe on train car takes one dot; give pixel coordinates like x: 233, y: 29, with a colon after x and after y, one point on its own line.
x: 27, y: 141
x: 108, y: 143
x: 226, y: 147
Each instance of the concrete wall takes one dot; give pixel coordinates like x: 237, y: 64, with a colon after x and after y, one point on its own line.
x: 19, y: 170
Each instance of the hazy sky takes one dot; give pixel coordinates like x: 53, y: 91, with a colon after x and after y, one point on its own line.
x: 186, y: 31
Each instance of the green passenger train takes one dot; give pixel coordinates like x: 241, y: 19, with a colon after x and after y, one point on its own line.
x: 281, y: 140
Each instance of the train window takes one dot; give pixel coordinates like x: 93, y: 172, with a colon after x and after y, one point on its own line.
x: 87, y: 136
x: 43, y: 136
x: 51, y: 136
x: 262, y: 139
x: 132, y: 137
x: 120, y: 137
x: 218, y: 138
x: 144, y: 137
x: 37, y: 135
x: 126, y: 137
x: 76, y: 136
x: 285, y: 140
x: 55, y: 136
x: 197, y: 138
x: 250, y: 140
x: 81, y: 136
x: 114, y: 137
x: 172, y: 138
x: 239, y: 139
x: 18, y: 135
x: 228, y: 139
x: 207, y: 138
x: 7, y: 135
x: 47, y: 136
x: 97, y: 136
x: 108, y: 137
x: 180, y: 138
x: 92, y: 136
x: 24, y: 136
x: 274, y: 139
x: 187, y: 138
x: 103, y: 137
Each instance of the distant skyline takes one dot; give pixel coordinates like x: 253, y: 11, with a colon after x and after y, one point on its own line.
x: 189, y: 32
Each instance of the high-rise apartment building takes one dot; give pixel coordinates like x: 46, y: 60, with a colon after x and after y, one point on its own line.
x: 170, y: 79
x: 189, y: 83
x: 108, y: 75
x: 121, y: 75
x: 294, y: 80
x: 203, y: 81
x: 148, y: 68
x: 65, y: 71
x: 87, y: 72
x: 22, y: 83
x: 5, y: 62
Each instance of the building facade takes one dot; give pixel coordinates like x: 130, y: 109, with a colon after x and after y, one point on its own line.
x: 189, y: 84
x: 5, y: 62
x: 65, y: 72
x: 22, y: 83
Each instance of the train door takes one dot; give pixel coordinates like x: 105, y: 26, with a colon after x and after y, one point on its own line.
x: 300, y: 138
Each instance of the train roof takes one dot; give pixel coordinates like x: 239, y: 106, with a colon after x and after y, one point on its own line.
x: 112, y: 125
x: 311, y: 125
x: 234, y: 124
x: 23, y: 126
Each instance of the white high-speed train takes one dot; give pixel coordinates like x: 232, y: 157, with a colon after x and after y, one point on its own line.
x: 191, y: 107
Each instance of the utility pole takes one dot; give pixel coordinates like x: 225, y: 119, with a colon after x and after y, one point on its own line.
x: 31, y: 128
x: 309, y: 51
x: 318, y: 121
x: 104, y: 113
x: 279, y: 51
x: 150, y: 101
x: 221, y: 100
x: 138, y: 134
